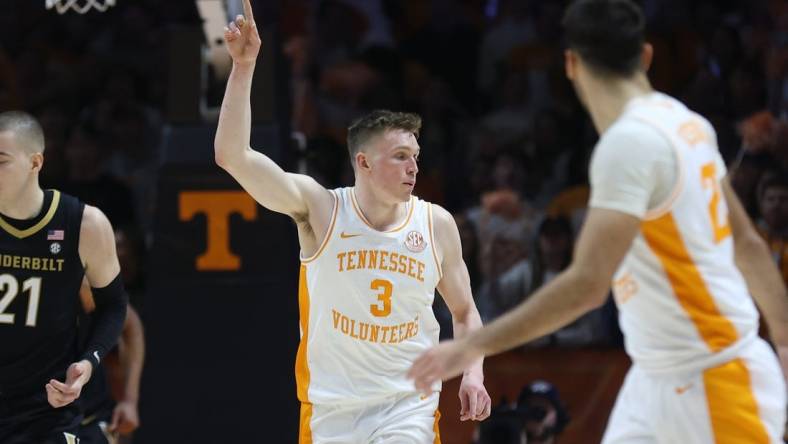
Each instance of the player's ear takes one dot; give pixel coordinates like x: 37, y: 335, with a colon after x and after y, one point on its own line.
x: 570, y: 64
x: 362, y: 161
x: 646, y: 56
x: 37, y: 161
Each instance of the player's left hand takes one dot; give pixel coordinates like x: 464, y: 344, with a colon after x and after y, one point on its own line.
x: 61, y: 394
x: 125, y: 418
x: 444, y: 361
x: 475, y: 403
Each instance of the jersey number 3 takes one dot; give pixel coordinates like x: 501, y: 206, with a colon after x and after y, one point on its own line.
x: 9, y: 288
x: 720, y: 224
x: 383, y: 307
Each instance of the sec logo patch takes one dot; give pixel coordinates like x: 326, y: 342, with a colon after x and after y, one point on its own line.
x: 415, y: 242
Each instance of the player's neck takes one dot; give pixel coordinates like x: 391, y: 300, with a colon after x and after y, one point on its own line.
x: 26, y: 205
x: 610, y: 97
x: 380, y: 214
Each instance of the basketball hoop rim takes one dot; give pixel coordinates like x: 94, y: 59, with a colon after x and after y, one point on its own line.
x: 79, y: 6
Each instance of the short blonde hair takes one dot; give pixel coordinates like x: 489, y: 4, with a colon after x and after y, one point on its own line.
x: 25, y: 128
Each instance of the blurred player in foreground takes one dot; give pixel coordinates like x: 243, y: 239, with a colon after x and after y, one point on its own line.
x: 666, y: 229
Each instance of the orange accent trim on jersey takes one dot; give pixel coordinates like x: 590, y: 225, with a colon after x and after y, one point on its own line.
x: 664, y: 238
x: 732, y: 406
x: 363, y: 218
x: 433, y: 246
x: 329, y: 232
x: 435, y: 427
x: 301, y: 364
x: 305, y: 426
x: 667, y: 205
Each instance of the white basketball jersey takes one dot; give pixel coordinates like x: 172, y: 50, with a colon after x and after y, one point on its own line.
x: 365, y: 302
x: 683, y: 303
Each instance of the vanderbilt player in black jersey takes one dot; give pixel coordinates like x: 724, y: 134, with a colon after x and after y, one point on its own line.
x: 49, y: 241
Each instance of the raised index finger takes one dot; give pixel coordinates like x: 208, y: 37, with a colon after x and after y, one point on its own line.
x: 248, y: 10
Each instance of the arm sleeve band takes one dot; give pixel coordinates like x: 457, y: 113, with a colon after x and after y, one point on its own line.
x: 109, y: 317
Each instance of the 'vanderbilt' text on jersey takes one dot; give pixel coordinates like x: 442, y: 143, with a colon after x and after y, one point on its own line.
x: 365, y: 301
x: 40, y: 277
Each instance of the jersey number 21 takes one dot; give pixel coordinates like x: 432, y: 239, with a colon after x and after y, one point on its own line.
x: 9, y: 288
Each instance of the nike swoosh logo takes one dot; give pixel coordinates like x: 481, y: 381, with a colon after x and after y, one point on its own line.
x: 681, y: 390
x: 344, y: 235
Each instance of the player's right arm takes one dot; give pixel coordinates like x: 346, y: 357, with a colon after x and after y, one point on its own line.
x: 760, y: 272
x: 291, y: 194
x: 102, y: 272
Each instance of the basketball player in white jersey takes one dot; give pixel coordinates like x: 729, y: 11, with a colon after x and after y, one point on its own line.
x: 683, y: 258
x: 371, y: 258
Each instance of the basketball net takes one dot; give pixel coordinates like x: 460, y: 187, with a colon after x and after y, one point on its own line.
x: 80, y: 6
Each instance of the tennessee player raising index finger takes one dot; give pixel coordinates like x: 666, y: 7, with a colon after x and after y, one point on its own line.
x: 372, y: 256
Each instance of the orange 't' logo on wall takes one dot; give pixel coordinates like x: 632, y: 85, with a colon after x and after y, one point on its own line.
x: 217, y: 207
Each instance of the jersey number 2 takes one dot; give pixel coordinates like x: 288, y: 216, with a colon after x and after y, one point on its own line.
x: 720, y: 224
x: 383, y: 308
x: 9, y: 287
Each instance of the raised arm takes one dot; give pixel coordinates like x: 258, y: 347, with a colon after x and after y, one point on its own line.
x: 761, y: 274
x: 291, y: 194
x: 455, y: 288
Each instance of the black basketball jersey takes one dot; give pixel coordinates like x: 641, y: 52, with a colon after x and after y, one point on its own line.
x: 40, y: 277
